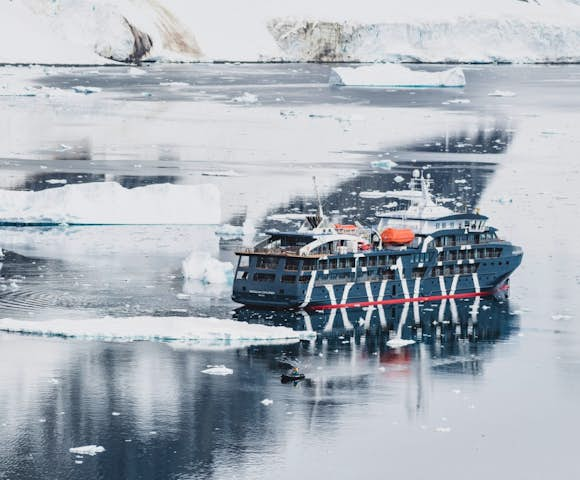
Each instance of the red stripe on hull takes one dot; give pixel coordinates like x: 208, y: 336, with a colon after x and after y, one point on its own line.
x: 395, y: 301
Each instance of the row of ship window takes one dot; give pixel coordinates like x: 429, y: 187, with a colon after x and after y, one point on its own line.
x: 472, y: 238
x: 271, y: 263
x: 380, y: 274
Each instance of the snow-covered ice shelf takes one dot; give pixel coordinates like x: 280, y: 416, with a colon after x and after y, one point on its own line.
x: 169, y: 329
x: 393, y: 76
x: 108, y: 203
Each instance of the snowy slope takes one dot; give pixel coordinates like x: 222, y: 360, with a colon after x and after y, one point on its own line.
x: 96, y: 31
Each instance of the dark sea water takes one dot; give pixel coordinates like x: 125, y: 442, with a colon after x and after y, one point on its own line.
x: 488, y: 392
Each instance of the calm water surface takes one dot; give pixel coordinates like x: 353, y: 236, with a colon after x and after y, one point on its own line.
x: 491, y: 391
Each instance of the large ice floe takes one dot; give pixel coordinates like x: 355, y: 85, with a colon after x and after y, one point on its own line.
x: 394, y: 76
x: 102, y: 31
x: 169, y: 329
x: 108, y: 203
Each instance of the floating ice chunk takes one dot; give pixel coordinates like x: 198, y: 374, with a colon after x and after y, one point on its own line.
x: 202, y: 266
x: 108, y: 203
x: 372, y: 194
x: 175, y: 84
x: 168, y: 329
x: 386, y: 164
x: 86, y: 90
x: 221, y: 173
x: 230, y: 232
x: 394, y: 75
x: 501, y: 93
x: 246, y: 97
x: 218, y: 370
x: 115, y: 414
x: 398, y: 179
x: 561, y: 317
x: 56, y: 181
x: 399, y: 342
x: 461, y: 181
x: 267, y: 402
x: 87, y: 450
x: 443, y: 429
x: 459, y: 101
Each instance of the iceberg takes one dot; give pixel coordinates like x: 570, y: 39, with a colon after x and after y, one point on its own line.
x: 108, y: 203
x: 163, y: 329
x: 220, y: 370
x: 202, y: 266
x: 394, y: 76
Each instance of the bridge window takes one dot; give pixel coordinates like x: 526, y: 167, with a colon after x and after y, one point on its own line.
x: 241, y: 275
x: 267, y: 263
x: 244, y: 261
x: 288, y: 278
x: 304, y: 278
x: 291, y: 264
x: 308, y: 265
x: 264, y: 277
x: 323, y: 264
x: 372, y: 261
x: 382, y: 260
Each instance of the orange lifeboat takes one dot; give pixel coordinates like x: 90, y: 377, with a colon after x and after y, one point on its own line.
x: 397, y: 236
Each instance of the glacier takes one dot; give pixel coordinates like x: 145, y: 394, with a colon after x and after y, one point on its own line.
x: 109, y: 203
x: 102, y: 31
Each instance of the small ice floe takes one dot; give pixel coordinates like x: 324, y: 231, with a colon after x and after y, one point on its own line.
x: 230, y: 232
x: 458, y: 101
x: 221, y: 173
x: 56, y: 181
x: 175, y: 84
x: 217, y: 370
x: 399, y: 342
x: 79, y: 462
x: 443, y: 429
x: 267, y: 402
x: 86, y: 89
x: 560, y: 316
x: 398, y: 179
x: 395, y: 76
x: 372, y: 194
x: 246, y: 97
x: 115, y: 414
x: 461, y: 181
x: 202, y: 266
x: 182, y: 296
x: 501, y: 93
x: 385, y: 164
x: 91, y: 450
x: 54, y: 381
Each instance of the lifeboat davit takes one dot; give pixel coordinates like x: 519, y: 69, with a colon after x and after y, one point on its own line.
x: 397, y: 236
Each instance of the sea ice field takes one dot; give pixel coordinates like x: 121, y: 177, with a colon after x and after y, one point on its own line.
x: 125, y: 192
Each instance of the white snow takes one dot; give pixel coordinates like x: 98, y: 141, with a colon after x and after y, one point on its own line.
x: 393, y: 75
x: 230, y: 232
x: 501, y: 93
x: 266, y: 402
x: 182, y: 329
x: 87, y: 450
x: 202, y: 266
x: 218, y: 370
x: 110, y: 203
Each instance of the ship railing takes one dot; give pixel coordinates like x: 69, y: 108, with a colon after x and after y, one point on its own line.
x: 277, y: 252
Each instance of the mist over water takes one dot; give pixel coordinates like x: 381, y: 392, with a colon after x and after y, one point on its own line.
x: 485, y: 388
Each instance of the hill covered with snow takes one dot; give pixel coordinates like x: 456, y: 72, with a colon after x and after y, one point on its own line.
x: 102, y: 31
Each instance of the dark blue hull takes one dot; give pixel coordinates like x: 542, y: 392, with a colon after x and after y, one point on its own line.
x: 405, y: 281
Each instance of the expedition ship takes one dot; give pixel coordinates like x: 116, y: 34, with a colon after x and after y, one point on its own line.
x: 425, y: 252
